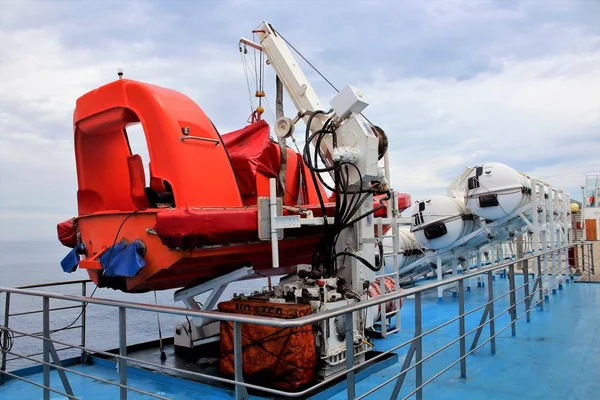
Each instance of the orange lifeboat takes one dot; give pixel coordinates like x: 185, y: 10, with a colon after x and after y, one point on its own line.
x: 197, y: 217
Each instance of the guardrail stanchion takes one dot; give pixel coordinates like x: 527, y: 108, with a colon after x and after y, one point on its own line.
x: 491, y: 312
x: 83, y: 321
x: 46, y: 346
x: 383, y: 313
x: 589, y: 265
x: 591, y: 255
x: 349, y: 328
x: 540, y: 282
x: 513, y: 300
x: 240, y: 391
x: 418, y: 346
x: 123, y: 352
x: 526, y: 288
x: 461, y: 328
x: 5, y: 337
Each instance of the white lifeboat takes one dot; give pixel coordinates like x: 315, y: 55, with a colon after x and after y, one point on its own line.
x: 439, y: 221
x: 496, y: 190
x: 409, y: 251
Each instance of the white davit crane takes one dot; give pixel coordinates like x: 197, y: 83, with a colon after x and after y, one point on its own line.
x: 353, y: 141
x: 350, y: 148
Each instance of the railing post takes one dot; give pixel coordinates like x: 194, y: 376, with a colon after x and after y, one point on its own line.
x: 418, y: 346
x: 583, y: 261
x: 46, y: 346
x: 540, y: 283
x: 591, y: 254
x: 461, y: 328
x: 492, y: 321
x: 83, y: 321
x: 582, y: 257
x: 5, y: 336
x: 396, y: 242
x: 383, y: 312
x: 555, y: 271
x: 349, y: 328
x: 513, y: 301
x: 123, y: 351
x: 546, y: 271
x: 240, y: 391
x: 526, y: 287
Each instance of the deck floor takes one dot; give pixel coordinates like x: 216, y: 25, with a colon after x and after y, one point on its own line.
x: 555, y: 356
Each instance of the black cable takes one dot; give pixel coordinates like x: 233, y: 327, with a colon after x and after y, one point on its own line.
x: 359, y: 258
x: 8, y: 336
x: 308, y: 62
x: 315, y: 69
x: 316, y: 253
x: 327, y: 244
x: 107, y: 263
x: 345, y: 209
x: 370, y: 211
x: 190, y: 331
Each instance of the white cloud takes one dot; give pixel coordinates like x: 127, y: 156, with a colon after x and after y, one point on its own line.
x: 528, y: 114
x: 527, y: 92
x: 44, y: 78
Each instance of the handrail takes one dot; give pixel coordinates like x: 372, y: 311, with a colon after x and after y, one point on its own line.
x: 48, y: 284
x: 347, y: 311
x: 281, y: 323
x: 215, y: 141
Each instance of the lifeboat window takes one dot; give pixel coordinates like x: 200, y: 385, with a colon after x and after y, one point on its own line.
x: 136, y: 139
x: 435, y: 231
x: 488, y: 200
x: 473, y: 182
x: 137, y: 145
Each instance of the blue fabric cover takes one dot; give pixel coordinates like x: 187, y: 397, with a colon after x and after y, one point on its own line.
x: 70, y: 262
x: 111, y: 253
x: 125, y: 260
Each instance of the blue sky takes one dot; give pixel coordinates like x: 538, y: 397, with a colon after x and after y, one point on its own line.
x: 453, y: 83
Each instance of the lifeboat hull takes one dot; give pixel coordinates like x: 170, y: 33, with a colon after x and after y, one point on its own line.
x: 168, y: 268
x: 184, y: 247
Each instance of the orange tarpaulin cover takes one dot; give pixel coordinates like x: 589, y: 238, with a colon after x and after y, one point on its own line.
x: 281, y: 357
x: 251, y: 150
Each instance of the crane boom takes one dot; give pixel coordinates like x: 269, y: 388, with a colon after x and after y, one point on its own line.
x: 289, y: 72
x: 356, y: 141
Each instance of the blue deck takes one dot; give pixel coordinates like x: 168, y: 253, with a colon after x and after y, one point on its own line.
x: 556, y: 356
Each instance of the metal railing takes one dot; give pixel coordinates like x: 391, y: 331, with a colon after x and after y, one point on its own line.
x: 534, y: 294
x: 587, y: 263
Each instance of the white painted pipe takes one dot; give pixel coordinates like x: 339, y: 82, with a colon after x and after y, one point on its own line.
x: 273, y: 212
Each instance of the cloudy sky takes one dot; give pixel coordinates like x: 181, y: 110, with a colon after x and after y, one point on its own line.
x: 453, y: 83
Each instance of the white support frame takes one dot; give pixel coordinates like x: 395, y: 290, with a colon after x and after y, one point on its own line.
x: 216, y: 286
x: 552, y: 234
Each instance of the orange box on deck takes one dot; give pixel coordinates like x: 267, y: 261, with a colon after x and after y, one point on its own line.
x: 282, y: 357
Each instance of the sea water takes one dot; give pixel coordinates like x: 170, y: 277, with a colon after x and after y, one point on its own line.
x: 23, y: 263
